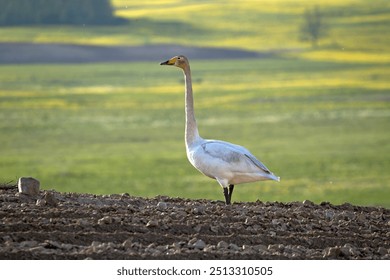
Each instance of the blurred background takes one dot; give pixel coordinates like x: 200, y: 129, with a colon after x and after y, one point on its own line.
x: 304, y: 85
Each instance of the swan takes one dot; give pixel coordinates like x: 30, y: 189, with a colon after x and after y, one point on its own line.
x: 225, y: 162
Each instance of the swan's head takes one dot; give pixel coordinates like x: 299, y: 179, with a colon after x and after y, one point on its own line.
x: 179, y: 61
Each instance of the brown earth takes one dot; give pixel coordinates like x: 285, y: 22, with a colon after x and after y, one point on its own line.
x: 57, y: 225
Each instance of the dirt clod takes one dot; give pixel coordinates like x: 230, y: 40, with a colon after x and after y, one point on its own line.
x: 53, y: 225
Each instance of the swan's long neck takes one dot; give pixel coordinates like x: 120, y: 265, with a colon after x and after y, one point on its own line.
x: 191, y: 129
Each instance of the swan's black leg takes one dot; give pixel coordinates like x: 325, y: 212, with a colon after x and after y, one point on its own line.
x: 231, y: 188
x: 226, y: 194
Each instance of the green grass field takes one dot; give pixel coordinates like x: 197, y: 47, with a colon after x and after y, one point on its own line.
x: 318, y: 118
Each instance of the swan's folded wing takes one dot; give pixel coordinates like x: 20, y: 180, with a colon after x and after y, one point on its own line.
x: 231, y: 153
x: 221, y: 150
x: 258, y: 163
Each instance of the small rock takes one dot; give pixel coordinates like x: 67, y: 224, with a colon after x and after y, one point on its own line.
x: 214, y: 229
x: 248, y: 221
x: 82, y: 222
x: 199, y: 244
x: 234, y: 247
x: 246, y: 247
x: 40, y: 202
x: 162, y: 206
x: 273, y: 247
x: 178, y: 245
x: 329, y: 214
x: 361, y: 218
x: 128, y: 243
x: 105, y: 220
x: 209, y: 248
x: 67, y: 246
x: 50, y: 199
x: 347, y: 206
x: 332, y: 252
x: 7, y: 238
x: 308, y: 202
x: 125, y: 195
x: 152, y: 223
x: 382, y: 251
x: 192, y: 242
x: 95, y: 246
x: 260, y: 248
x: 199, y: 210
x: 198, y: 228
x: 347, y: 215
x: 345, y: 251
x: 222, y: 245
x: 51, y: 244
x: 28, y: 185
x: 28, y: 243
x: 36, y: 249
x: 349, y: 250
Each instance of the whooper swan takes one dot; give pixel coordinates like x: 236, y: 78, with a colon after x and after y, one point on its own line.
x: 228, y: 163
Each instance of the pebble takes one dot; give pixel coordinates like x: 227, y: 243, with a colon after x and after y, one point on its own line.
x: 361, y: 218
x: 199, y: 244
x: 214, y: 229
x: 162, y: 206
x: 47, y: 199
x: 199, y: 210
x: 28, y: 243
x: 248, y: 221
x: 246, y: 247
x: 209, y: 248
x: 222, y: 245
x: 50, y: 199
x: 382, y: 251
x: 329, y: 214
x: 28, y: 185
x: 36, y: 249
x: 128, y: 243
x: 178, y: 245
x: 40, y: 202
x: 234, y: 247
x: 332, y: 252
x: 152, y: 223
x: 308, y: 202
x: 260, y: 248
x: 125, y: 195
x: 82, y: 222
x: 7, y: 238
x: 197, y: 228
x: 105, y: 220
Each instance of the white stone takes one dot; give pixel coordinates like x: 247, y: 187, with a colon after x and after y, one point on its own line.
x: 28, y: 185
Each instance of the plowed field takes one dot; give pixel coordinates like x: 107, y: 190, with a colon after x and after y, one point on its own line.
x: 57, y: 225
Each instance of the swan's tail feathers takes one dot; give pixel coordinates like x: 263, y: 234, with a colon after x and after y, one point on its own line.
x: 273, y: 177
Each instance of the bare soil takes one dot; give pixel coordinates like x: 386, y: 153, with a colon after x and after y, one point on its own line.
x: 54, y: 225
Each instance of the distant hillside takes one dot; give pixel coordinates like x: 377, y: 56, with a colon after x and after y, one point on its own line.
x: 13, y: 53
x: 27, y: 12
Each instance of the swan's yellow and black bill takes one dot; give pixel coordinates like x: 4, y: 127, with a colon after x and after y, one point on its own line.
x: 169, y: 62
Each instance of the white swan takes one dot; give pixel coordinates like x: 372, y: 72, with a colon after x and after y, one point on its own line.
x: 228, y: 163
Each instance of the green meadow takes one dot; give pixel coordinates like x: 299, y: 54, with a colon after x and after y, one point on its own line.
x: 318, y: 118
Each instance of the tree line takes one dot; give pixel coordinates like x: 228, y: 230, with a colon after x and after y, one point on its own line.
x: 27, y: 12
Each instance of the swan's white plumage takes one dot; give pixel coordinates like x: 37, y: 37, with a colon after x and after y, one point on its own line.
x: 228, y: 163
